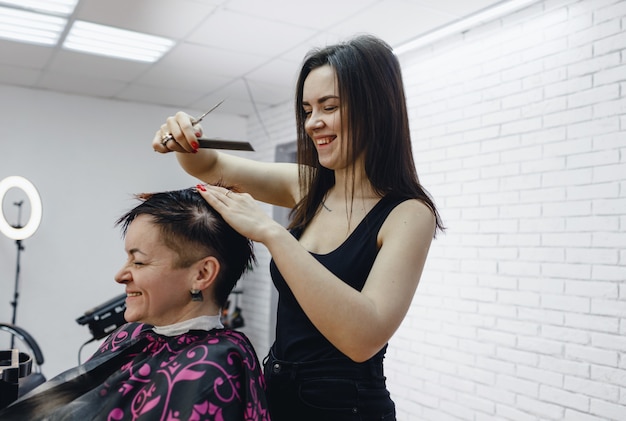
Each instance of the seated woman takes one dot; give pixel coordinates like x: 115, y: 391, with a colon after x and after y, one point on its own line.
x: 173, y: 360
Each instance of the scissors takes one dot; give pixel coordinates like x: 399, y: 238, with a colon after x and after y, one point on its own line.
x: 168, y: 136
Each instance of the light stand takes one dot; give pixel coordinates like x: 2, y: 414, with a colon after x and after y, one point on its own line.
x: 20, y: 363
x: 19, y: 232
x: 18, y: 243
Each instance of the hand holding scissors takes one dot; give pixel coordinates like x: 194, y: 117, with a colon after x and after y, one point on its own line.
x: 168, y: 136
x: 209, y: 143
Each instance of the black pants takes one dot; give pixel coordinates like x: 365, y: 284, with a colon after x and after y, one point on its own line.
x: 327, y: 390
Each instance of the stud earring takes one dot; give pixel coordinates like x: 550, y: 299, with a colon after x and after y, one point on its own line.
x: 196, y: 295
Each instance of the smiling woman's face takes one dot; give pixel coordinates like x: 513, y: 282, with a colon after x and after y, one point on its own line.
x: 322, y: 105
x: 157, y: 293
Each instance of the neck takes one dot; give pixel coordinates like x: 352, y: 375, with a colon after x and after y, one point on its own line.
x: 346, y: 192
x: 348, y: 199
x: 348, y: 185
x: 197, y: 323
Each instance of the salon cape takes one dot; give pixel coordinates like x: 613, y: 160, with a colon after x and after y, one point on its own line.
x: 183, y: 372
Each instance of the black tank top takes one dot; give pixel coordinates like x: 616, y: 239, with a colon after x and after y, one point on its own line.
x: 297, y: 339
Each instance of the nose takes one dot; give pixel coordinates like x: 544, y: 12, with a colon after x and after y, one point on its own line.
x: 314, y: 122
x: 122, y: 276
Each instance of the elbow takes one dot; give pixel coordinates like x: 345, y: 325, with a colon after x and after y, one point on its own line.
x: 363, y: 345
x: 360, y: 358
x: 360, y: 354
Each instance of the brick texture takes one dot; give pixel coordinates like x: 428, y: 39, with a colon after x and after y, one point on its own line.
x: 519, y: 133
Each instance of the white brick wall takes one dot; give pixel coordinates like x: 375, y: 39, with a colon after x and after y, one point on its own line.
x: 519, y: 134
x: 519, y: 131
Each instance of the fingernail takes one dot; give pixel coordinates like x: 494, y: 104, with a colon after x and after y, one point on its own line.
x: 200, y: 187
x: 198, y: 134
x: 195, y: 145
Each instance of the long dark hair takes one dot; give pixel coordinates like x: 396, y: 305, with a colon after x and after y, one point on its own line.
x: 374, y: 114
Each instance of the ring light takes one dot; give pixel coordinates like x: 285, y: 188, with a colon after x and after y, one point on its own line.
x: 21, y: 233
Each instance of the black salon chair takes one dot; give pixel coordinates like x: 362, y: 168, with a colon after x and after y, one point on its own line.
x: 36, y: 377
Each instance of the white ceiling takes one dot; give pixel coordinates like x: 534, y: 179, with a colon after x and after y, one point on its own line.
x: 247, y: 51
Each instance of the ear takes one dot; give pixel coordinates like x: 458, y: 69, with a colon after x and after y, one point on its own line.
x: 207, y: 270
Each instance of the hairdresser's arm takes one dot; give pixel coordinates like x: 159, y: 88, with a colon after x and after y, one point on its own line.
x: 357, y: 323
x: 360, y: 323
x: 273, y: 183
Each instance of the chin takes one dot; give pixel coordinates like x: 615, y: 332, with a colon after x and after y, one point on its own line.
x: 326, y: 165
x: 129, y: 317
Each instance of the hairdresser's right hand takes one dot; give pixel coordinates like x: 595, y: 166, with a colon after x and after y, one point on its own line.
x: 184, y: 135
x: 242, y: 212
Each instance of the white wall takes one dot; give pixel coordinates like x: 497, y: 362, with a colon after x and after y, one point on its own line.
x: 87, y: 157
x: 520, y: 134
x: 519, y: 130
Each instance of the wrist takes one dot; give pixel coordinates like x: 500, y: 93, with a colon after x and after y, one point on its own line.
x: 274, y: 234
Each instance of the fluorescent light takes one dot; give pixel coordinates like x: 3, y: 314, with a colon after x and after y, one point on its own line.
x: 58, y: 7
x: 484, y: 15
x: 104, y: 40
x: 34, y: 28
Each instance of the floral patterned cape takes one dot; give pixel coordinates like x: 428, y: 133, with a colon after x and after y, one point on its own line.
x: 137, y: 374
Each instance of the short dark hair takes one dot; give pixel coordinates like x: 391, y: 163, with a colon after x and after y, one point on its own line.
x: 193, y: 229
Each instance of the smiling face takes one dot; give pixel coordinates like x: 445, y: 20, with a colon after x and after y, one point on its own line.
x: 157, y: 293
x: 322, y: 107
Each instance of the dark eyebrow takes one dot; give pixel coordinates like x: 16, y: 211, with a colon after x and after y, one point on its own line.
x: 322, y: 99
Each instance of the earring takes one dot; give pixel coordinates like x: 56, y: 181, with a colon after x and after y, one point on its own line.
x: 196, y: 295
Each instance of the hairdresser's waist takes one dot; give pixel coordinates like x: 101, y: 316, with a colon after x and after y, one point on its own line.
x: 327, y: 367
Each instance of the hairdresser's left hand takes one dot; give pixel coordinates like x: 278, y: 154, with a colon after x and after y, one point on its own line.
x: 241, y: 212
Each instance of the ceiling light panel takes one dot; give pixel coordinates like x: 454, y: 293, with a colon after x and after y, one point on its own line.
x: 104, y: 40
x: 464, y: 24
x: 33, y: 28
x: 58, y: 7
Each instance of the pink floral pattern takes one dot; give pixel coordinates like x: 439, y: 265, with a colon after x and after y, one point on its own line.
x: 194, y: 376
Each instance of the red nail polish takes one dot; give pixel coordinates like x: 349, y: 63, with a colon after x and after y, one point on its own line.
x: 195, y: 145
x: 200, y: 187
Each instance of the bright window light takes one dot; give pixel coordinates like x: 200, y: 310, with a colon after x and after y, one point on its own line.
x: 104, y: 40
x: 58, y: 7
x: 34, y: 28
x: 485, y: 15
